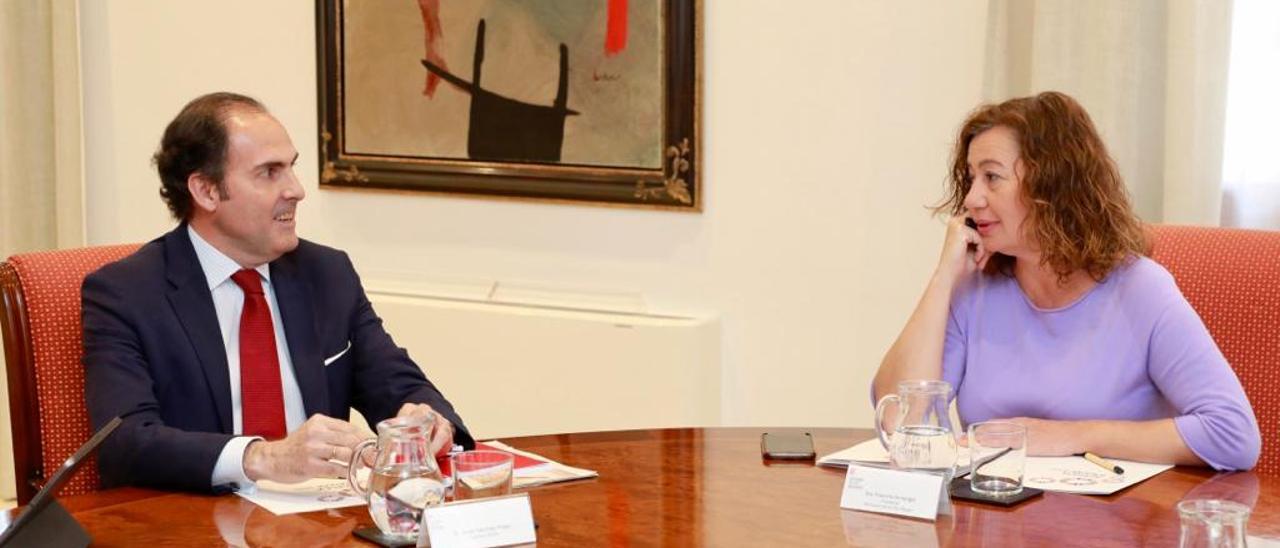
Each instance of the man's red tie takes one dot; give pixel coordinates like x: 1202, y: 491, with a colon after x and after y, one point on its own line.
x: 261, y: 396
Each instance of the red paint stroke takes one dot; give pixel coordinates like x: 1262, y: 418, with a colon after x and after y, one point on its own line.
x: 431, y: 37
x: 615, y: 40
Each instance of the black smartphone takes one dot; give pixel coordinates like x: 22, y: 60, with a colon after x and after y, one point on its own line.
x: 969, y: 222
x: 787, y: 445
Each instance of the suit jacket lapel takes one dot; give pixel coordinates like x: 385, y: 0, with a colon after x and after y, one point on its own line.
x: 300, y: 331
x: 192, y: 303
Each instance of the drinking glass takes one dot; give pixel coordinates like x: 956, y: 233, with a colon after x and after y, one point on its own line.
x: 479, y: 474
x: 1212, y: 523
x: 998, y: 451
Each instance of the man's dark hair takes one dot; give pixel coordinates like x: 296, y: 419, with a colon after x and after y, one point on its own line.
x: 196, y: 142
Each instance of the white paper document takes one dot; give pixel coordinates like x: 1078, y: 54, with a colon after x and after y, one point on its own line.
x: 1076, y: 475
x: 1261, y: 542
x: 307, y: 496
x: 871, y: 451
x: 1061, y: 474
x: 323, y: 494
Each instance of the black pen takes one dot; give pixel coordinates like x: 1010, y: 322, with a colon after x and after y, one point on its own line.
x: 990, y: 459
x: 1101, y: 462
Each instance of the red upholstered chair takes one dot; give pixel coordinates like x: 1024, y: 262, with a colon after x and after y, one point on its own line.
x: 1232, y: 279
x: 42, y: 350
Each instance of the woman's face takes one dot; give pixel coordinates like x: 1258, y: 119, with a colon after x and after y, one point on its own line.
x: 995, y: 199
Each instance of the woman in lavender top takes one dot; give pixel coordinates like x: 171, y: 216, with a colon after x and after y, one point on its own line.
x: 1045, y: 310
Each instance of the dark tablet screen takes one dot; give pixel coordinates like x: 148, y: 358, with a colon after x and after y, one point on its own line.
x: 60, y: 477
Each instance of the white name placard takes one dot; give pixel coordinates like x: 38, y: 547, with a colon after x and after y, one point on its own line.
x: 481, y: 523
x: 902, y: 492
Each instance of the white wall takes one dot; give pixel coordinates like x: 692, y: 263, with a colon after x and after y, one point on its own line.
x: 827, y: 125
x: 555, y: 371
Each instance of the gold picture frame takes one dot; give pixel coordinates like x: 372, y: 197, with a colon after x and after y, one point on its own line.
x: 625, y: 121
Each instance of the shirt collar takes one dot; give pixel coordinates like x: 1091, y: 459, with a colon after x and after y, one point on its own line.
x: 218, y: 267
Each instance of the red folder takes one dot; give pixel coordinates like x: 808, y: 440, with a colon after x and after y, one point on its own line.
x: 521, y: 461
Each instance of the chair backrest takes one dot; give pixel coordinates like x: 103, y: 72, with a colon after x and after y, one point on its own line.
x: 1231, y: 277
x: 43, y: 347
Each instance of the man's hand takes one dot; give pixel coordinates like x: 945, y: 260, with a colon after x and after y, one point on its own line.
x: 305, y: 453
x: 441, y: 432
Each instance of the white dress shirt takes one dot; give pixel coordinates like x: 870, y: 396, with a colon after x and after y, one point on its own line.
x: 228, y: 301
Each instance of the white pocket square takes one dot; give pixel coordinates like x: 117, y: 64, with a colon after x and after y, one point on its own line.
x: 335, y: 357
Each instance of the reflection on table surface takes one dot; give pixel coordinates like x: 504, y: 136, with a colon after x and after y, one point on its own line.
x: 704, y: 487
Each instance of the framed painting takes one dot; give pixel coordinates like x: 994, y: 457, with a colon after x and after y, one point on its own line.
x: 564, y: 100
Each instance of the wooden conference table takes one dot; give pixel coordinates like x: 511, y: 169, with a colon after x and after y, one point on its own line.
x: 703, y: 487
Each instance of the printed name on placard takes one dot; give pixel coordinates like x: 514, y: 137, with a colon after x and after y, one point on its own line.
x: 909, y: 493
x: 481, y: 523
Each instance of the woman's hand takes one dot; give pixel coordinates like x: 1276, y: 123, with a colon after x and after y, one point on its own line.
x: 1147, y: 441
x: 1049, y: 438
x: 958, y: 258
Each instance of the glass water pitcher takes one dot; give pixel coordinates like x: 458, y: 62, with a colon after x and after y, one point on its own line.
x: 922, y: 436
x: 404, y: 479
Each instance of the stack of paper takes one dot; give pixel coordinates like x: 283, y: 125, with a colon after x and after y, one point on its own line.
x: 533, y: 470
x: 872, y: 452
x: 1076, y: 475
x: 522, y: 462
x: 1061, y: 474
x: 321, y: 494
x: 307, y: 496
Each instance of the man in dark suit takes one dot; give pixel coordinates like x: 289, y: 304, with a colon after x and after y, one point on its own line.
x: 232, y: 349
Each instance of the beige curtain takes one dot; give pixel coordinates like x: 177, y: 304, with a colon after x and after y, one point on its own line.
x: 41, y: 175
x: 1251, y: 170
x: 1152, y: 74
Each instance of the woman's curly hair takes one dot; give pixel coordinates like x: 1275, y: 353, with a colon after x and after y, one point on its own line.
x: 1079, y: 215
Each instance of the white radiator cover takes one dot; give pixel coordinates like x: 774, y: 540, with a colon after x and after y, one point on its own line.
x: 515, y: 370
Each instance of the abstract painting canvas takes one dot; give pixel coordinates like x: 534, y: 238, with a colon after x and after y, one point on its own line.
x: 578, y: 100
